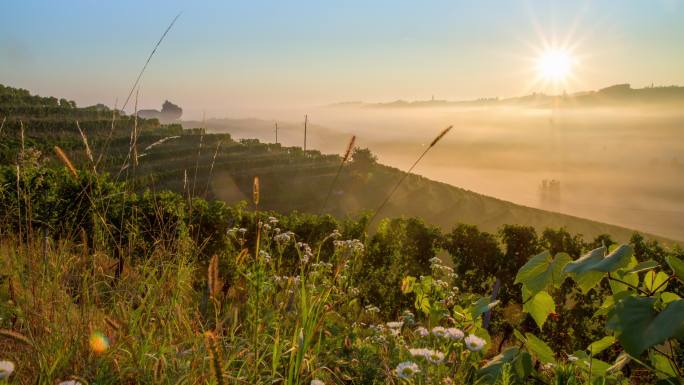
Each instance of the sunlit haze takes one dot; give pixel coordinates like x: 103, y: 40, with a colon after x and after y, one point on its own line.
x: 239, y: 58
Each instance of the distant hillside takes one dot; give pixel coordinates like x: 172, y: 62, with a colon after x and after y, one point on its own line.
x: 619, y: 94
x: 216, y: 166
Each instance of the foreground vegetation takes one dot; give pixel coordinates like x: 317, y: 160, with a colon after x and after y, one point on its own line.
x: 104, y: 280
x: 104, y: 285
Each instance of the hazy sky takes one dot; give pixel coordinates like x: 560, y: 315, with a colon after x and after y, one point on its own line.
x: 225, y: 55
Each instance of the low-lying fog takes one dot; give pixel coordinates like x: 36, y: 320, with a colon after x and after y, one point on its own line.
x: 621, y: 165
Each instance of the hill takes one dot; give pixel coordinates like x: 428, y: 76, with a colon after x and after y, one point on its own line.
x: 615, y: 95
x: 195, y: 163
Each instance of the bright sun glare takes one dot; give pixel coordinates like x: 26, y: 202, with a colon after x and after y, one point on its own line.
x: 555, y: 65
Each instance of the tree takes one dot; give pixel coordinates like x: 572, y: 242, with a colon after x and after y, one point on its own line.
x: 171, y: 111
x: 556, y: 241
x: 476, y: 256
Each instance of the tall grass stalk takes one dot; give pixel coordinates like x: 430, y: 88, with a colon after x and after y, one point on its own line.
x: 345, y: 158
x: 407, y: 173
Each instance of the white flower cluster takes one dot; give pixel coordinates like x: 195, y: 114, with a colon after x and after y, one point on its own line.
x: 432, y: 356
x: 283, y: 238
x: 286, y: 279
x: 407, y: 370
x: 372, y: 309
x: 336, y: 234
x: 327, y: 266
x: 305, y: 252
x: 6, y: 369
x: 395, y: 327
x: 441, y: 332
x: 474, y: 343
x: 265, y: 256
x: 439, y: 268
x: 351, y: 246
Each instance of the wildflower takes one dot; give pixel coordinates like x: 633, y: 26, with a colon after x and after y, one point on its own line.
x: 70, y: 382
x: 272, y: 220
x: 282, y: 238
x: 474, y: 343
x: 454, y: 333
x: 6, y: 369
x: 336, y: 234
x: 418, y: 352
x: 438, y: 331
x: 447, y: 381
x: 434, y: 357
x: 572, y: 358
x: 372, y: 309
x: 395, y: 325
x: 317, y: 382
x: 353, y: 246
x: 242, y: 230
x: 265, y: 256
x: 407, y: 369
x: 421, y: 331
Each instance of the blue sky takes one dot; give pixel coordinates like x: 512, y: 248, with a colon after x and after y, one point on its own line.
x: 223, y: 55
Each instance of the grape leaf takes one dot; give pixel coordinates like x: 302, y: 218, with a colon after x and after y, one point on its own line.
x: 540, y: 349
x: 604, y: 343
x: 639, y: 326
x: 539, y: 305
x: 677, y: 265
x: 589, y: 269
x: 543, y: 270
x: 653, y: 281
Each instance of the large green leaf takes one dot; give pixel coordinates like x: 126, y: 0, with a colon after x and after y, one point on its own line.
x: 677, y: 265
x: 539, y: 305
x: 627, y: 281
x: 483, y: 305
x: 639, y: 326
x: 586, y: 280
x: 604, y: 343
x: 668, y: 297
x: 655, y: 282
x: 589, y: 269
x: 521, y: 363
x: 663, y: 366
x: 539, y: 348
x: 643, y: 266
x: 543, y: 270
x: 585, y: 362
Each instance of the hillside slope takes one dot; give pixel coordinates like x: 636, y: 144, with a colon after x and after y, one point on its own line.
x: 216, y: 166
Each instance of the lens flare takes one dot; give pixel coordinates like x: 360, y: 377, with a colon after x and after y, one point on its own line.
x: 99, y: 343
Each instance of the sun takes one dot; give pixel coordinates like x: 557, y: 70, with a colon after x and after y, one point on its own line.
x: 555, y: 65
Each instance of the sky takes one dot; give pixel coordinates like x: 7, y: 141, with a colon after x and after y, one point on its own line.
x: 222, y: 57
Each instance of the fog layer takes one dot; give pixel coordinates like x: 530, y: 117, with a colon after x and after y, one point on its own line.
x: 621, y: 165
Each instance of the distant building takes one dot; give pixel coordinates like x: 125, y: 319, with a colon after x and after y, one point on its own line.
x: 550, y: 194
